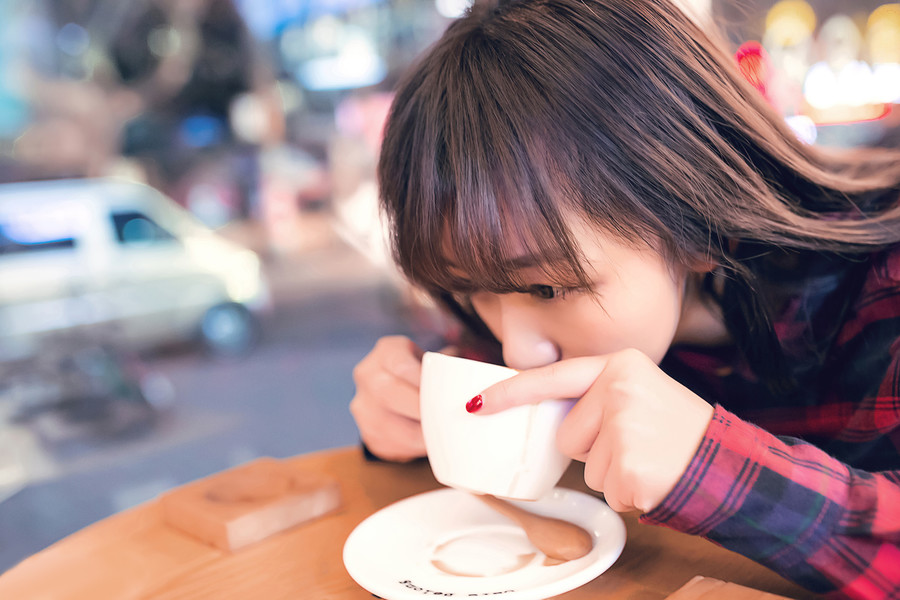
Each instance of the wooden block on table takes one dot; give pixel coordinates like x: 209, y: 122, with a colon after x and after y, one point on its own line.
x: 707, y: 588
x: 241, y: 506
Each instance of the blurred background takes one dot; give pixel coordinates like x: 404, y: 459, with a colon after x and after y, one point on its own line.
x: 190, y: 257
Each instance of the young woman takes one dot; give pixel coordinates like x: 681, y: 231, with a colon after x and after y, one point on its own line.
x: 592, y: 187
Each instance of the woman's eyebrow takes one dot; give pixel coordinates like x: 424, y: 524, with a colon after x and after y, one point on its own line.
x: 524, y: 261
x: 455, y: 270
x: 518, y: 263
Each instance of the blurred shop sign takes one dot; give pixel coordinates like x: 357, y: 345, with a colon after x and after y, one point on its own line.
x: 14, y: 110
x: 267, y: 19
x: 829, y: 68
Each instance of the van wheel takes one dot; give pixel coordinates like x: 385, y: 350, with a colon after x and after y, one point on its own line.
x: 228, y: 329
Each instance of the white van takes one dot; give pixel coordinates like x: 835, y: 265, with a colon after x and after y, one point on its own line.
x: 119, y: 259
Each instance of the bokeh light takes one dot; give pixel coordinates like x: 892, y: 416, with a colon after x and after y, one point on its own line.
x: 754, y: 64
x: 790, y: 21
x: 883, y: 34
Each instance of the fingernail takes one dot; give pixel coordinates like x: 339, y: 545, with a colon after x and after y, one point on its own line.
x: 474, y: 404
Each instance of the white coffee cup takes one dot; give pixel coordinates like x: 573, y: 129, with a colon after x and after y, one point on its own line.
x: 510, y: 454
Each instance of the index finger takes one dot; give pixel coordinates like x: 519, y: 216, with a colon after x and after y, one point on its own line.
x: 402, y: 358
x: 570, y: 378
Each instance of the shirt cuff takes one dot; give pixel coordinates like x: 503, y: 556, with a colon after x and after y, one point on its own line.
x: 716, y: 481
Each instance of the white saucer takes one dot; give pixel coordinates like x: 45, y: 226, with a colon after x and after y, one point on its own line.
x: 446, y: 542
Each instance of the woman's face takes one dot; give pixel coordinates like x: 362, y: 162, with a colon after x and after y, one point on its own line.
x: 637, y: 302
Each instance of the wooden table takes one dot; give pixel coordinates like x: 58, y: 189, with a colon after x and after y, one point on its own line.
x: 135, y: 555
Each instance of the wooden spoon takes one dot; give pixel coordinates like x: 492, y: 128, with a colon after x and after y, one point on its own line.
x: 556, y: 538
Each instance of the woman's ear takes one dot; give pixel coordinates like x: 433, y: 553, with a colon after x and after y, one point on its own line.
x: 702, y: 265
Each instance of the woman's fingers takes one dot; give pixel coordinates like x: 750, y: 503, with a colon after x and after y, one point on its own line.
x: 391, y: 393
x: 578, y: 432
x: 635, y: 427
x: 401, y: 357
x: 597, y: 463
x: 570, y: 378
x: 389, y: 376
x: 389, y: 436
x: 386, y: 403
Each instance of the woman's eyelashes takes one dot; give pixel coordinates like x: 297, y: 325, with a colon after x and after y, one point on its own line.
x: 548, y: 292
x: 538, y: 292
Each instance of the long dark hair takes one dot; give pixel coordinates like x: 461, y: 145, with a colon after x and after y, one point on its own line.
x: 626, y: 114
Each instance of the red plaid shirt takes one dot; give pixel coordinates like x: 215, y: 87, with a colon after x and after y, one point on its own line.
x: 807, y: 483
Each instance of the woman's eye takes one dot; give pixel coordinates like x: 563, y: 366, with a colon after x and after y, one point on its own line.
x: 547, y: 292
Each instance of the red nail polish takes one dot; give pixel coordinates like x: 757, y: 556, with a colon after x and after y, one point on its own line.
x: 474, y: 404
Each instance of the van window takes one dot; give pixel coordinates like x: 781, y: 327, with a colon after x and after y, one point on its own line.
x: 23, y: 237
x: 136, y: 227
x: 8, y: 246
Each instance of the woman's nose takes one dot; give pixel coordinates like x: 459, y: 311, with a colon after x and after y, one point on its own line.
x: 525, y: 345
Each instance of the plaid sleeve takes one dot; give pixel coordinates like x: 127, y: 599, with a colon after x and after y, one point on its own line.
x: 790, y: 506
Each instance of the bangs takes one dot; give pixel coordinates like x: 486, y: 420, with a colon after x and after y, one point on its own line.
x: 486, y: 200
x: 501, y: 246
x: 496, y: 230
x: 471, y: 176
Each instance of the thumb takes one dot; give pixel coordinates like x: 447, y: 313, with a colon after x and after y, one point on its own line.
x: 560, y: 380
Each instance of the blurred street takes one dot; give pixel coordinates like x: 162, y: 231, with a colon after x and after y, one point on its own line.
x: 289, y: 396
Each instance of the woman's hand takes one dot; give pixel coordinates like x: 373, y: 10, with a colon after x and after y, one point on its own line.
x: 386, y: 404
x: 635, y: 428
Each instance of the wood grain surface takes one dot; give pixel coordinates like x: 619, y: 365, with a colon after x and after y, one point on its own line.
x: 136, y: 555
